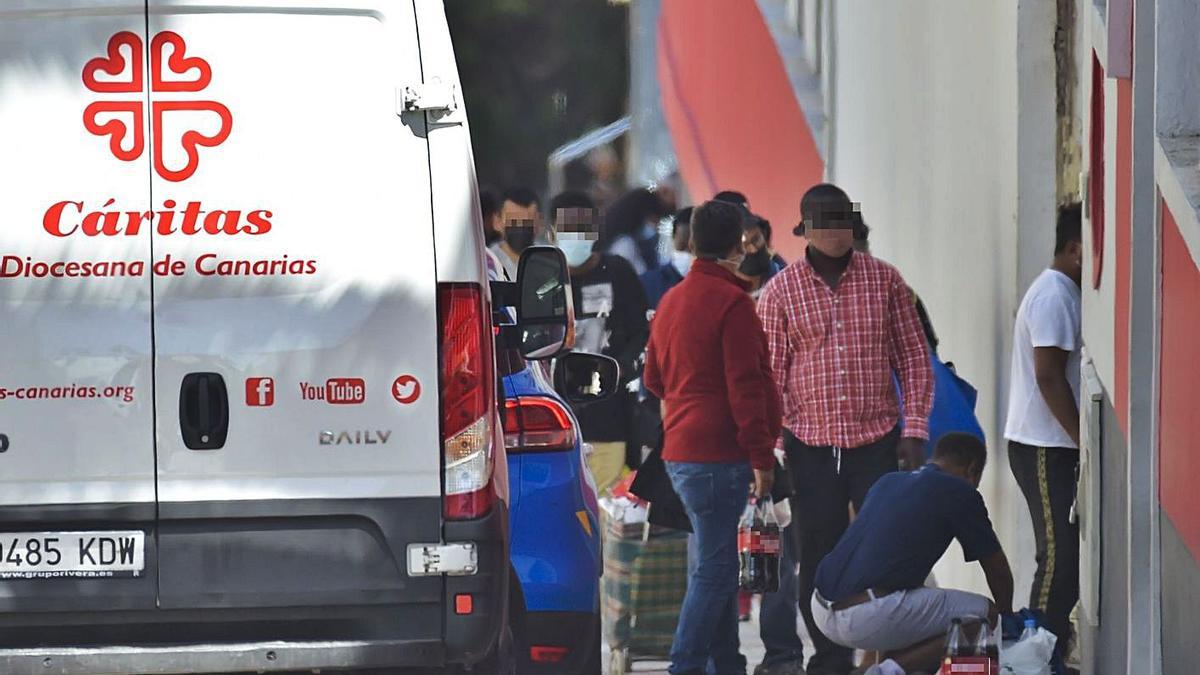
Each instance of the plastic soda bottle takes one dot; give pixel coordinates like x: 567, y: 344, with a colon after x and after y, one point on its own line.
x: 1030, y: 629
x: 955, y: 639
x: 986, y: 646
x: 748, y: 571
x: 769, y: 545
x: 758, y: 549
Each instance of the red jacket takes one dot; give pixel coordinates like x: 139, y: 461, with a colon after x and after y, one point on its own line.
x: 707, y: 360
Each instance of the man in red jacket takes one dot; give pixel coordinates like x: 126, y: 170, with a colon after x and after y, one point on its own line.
x: 707, y: 361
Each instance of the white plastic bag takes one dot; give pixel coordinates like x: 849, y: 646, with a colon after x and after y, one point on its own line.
x: 1030, y: 656
x: 783, y: 512
x: 623, y: 510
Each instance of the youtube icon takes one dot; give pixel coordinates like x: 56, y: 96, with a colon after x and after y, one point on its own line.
x: 346, y: 391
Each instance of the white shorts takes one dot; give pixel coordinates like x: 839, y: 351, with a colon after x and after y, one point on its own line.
x: 899, y: 620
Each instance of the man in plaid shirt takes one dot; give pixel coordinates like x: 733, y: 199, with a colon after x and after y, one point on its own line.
x: 839, y: 323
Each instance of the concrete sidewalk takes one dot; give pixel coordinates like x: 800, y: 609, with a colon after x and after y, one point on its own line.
x: 752, y: 648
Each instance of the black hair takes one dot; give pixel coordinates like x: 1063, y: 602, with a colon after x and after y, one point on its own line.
x: 1070, y: 227
x: 489, y: 202
x: 716, y: 229
x: 961, y: 449
x: 862, y: 231
x: 750, y: 220
x: 765, y: 226
x: 570, y: 199
x: 732, y: 197
x: 820, y: 202
x: 629, y: 211
x: 489, y: 206
x: 682, y: 217
x: 521, y: 196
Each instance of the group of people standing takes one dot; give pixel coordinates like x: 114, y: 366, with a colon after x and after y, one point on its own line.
x: 820, y: 368
x: 610, y: 255
x: 831, y: 371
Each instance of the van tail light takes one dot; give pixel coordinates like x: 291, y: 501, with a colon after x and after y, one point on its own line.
x: 468, y: 382
x: 537, y: 424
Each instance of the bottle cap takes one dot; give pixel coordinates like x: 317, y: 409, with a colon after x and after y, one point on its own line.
x: 1031, y: 623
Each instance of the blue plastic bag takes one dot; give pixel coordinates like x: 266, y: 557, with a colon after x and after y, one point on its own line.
x: 953, y: 405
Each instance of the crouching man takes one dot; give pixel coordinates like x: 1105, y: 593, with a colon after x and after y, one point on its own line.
x: 870, y: 591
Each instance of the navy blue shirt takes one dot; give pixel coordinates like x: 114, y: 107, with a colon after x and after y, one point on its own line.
x: 907, y: 522
x: 657, y: 281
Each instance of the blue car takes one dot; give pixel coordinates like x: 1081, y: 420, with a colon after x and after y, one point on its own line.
x: 554, y: 517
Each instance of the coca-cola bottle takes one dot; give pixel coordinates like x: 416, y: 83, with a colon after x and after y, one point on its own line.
x: 769, y: 545
x: 955, y: 642
x: 758, y: 549
x: 986, y: 646
x: 748, y: 569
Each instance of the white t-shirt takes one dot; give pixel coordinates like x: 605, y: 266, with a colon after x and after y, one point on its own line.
x: 1049, y: 317
x: 627, y: 248
x: 510, y: 265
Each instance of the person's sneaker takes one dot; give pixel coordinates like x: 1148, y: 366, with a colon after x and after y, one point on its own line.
x: 784, y: 668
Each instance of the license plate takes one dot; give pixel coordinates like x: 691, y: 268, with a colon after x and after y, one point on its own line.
x: 81, y: 555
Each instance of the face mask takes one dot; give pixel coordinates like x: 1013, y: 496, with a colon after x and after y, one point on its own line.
x: 519, y: 238
x: 577, y: 251
x: 756, y: 264
x: 734, y: 263
x: 682, y: 261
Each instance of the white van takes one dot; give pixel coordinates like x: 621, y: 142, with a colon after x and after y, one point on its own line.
x: 248, y: 406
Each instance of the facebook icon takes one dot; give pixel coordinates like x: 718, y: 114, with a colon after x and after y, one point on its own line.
x: 260, y: 392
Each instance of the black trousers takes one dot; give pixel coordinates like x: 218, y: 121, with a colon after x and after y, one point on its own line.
x: 827, y: 481
x: 1047, y: 477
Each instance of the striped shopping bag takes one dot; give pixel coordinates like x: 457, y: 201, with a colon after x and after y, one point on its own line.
x: 645, y: 578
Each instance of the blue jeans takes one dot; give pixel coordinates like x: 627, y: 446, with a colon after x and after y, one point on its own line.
x: 714, y: 495
x: 777, y: 614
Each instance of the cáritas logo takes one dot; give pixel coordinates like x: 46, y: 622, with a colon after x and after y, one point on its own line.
x: 175, y: 83
x: 171, y: 72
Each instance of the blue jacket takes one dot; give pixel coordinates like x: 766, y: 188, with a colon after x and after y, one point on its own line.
x: 658, y: 281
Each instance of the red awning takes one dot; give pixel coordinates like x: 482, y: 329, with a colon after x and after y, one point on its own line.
x: 733, y: 117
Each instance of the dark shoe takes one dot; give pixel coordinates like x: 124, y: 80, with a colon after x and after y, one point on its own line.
x: 782, y: 668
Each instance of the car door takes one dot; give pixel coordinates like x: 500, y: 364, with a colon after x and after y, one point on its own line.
x: 296, y: 329
x: 77, y: 460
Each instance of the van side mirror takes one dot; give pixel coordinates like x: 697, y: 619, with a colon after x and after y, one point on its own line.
x: 584, y: 378
x: 545, y: 313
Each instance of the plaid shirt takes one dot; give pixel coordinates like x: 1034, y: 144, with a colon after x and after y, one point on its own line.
x: 833, y: 353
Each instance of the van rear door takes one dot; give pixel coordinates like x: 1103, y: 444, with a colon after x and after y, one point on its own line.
x: 76, y: 407
x: 296, y: 334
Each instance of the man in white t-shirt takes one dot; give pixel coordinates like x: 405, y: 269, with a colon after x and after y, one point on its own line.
x: 1043, y: 422
x: 520, y: 226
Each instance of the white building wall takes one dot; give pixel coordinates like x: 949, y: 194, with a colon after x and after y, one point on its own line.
x: 927, y: 138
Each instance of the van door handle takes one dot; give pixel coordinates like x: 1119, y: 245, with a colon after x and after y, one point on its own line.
x: 203, y: 411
